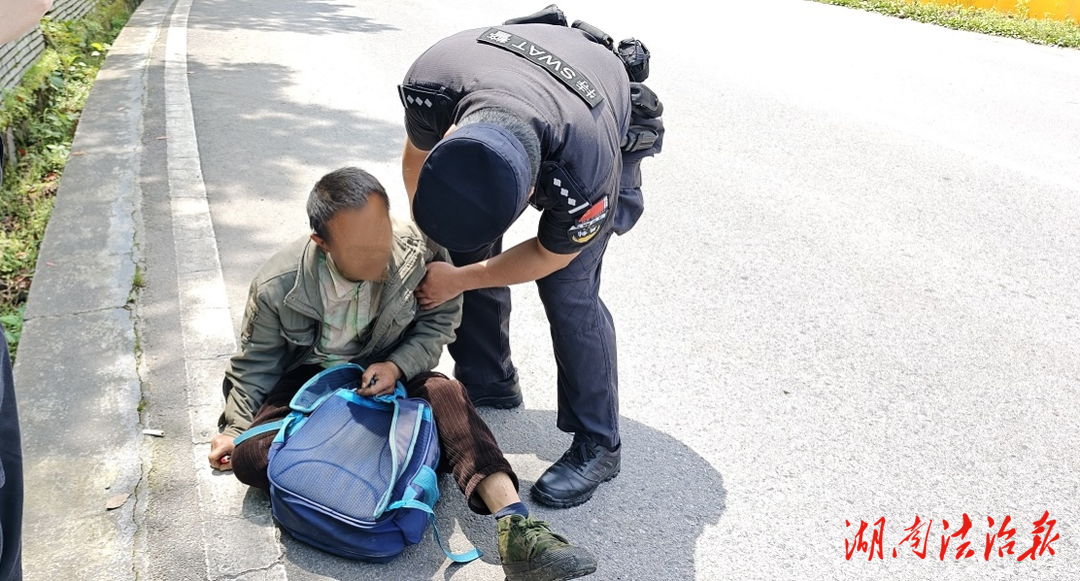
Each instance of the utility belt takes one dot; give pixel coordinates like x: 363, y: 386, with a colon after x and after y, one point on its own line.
x: 631, y: 51
x: 645, y: 136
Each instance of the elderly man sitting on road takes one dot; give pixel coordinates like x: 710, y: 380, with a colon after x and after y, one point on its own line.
x: 345, y: 294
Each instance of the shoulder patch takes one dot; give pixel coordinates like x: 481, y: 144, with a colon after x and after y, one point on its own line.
x: 424, y: 99
x: 556, y: 188
x: 590, y: 222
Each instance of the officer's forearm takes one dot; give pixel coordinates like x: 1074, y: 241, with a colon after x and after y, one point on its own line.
x: 412, y: 159
x: 525, y: 262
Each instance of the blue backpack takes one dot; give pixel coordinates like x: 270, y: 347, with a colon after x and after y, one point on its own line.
x: 354, y: 475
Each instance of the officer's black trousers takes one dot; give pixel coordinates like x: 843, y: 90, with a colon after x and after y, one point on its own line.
x: 582, y: 333
x: 481, y: 350
x: 11, y: 483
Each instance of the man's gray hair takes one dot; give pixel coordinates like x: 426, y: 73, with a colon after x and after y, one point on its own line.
x: 347, y: 188
x: 516, y: 126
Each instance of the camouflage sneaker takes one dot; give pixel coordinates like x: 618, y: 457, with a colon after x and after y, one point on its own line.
x: 531, y: 552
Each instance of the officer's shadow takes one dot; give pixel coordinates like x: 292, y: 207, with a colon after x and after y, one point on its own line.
x: 644, y: 524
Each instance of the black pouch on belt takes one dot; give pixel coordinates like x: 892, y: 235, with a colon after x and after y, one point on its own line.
x: 635, y: 58
x: 646, y: 134
x: 549, y: 15
x: 644, y: 138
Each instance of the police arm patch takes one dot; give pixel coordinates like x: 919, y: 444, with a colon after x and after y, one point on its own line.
x: 590, y: 222
x: 428, y: 114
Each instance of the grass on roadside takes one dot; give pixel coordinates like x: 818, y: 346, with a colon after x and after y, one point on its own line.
x: 958, y: 17
x: 42, y: 112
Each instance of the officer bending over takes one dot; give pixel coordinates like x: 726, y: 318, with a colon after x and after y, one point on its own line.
x: 497, y: 119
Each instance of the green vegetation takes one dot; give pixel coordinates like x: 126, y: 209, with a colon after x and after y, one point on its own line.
x: 12, y: 327
x: 42, y: 113
x: 1049, y: 32
x: 138, y: 281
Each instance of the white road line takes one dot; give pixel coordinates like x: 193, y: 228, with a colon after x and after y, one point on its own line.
x: 234, y: 544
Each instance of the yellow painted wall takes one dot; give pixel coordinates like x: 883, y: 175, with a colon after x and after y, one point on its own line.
x: 1054, y: 9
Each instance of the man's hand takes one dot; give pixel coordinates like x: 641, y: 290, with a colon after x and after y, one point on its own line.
x: 442, y: 282
x: 221, y: 447
x: 385, y: 375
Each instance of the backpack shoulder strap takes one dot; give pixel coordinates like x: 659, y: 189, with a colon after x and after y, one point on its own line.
x: 429, y: 482
x: 409, y: 417
x: 323, y: 385
x: 425, y: 479
x: 313, y: 393
x: 257, y: 430
x: 346, y: 376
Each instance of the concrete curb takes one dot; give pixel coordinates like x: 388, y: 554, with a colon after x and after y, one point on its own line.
x: 76, y: 374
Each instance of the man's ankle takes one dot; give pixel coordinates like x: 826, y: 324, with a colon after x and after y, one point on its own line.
x: 517, y: 508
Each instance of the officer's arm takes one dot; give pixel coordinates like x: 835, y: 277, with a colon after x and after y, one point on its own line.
x: 412, y: 159
x: 525, y: 262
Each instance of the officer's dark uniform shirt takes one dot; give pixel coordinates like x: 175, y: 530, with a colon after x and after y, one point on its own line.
x: 578, y: 185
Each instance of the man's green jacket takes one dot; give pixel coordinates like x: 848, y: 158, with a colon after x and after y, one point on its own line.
x: 283, y: 322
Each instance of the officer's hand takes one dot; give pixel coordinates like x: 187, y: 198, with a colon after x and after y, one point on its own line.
x: 221, y: 447
x: 385, y: 375
x: 440, y: 284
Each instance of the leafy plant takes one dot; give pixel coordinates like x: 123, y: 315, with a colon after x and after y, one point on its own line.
x: 956, y: 16
x: 12, y: 323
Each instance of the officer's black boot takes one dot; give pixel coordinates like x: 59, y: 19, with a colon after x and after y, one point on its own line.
x: 574, y: 478
x: 504, y: 395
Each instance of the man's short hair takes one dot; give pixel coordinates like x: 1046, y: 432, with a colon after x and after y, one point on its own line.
x: 347, y: 188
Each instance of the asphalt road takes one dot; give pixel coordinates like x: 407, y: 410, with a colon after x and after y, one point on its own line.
x: 853, y: 295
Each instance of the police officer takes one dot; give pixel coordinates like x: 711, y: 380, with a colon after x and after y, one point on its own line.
x: 497, y: 119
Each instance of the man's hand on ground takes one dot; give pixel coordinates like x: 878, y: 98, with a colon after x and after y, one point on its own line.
x: 385, y: 375
x: 440, y: 284
x: 221, y: 447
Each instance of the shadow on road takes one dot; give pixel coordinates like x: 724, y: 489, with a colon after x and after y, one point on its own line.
x: 264, y: 132
x: 263, y: 149
x: 644, y: 524
x: 285, y: 16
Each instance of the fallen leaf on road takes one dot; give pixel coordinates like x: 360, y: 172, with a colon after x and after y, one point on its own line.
x: 116, y: 501
x: 78, y: 153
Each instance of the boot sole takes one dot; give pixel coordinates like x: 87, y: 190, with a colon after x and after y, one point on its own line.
x: 544, y: 573
x: 505, y: 402
x: 568, y: 503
